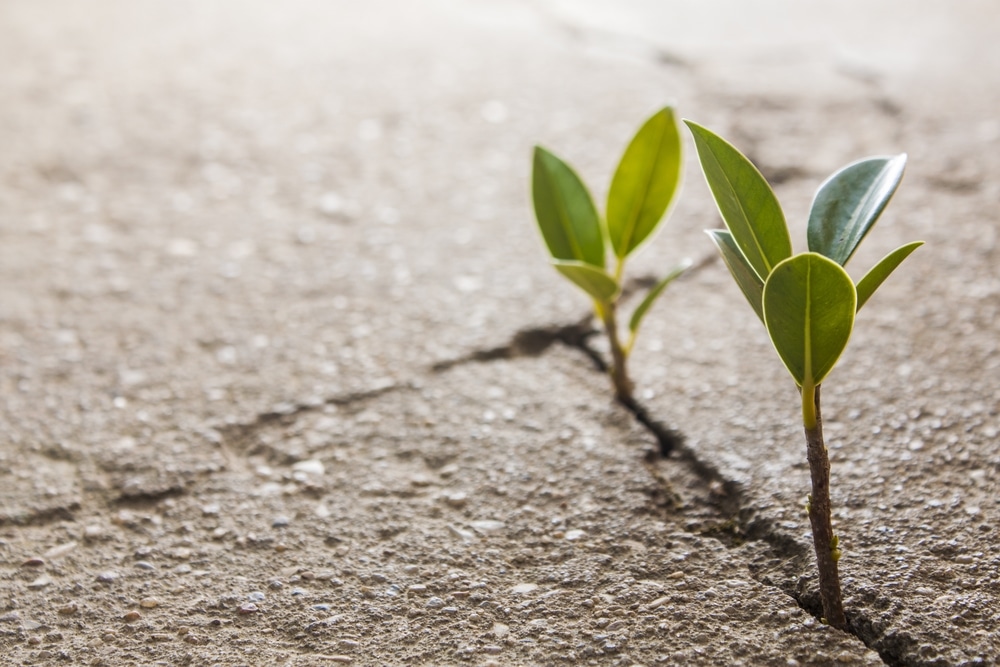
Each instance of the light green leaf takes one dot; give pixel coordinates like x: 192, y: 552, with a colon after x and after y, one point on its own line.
x: 592, y: 279
x: 745, y: 200
x: 874, y: 278
x: 565, y: 211
x: 645, y: 182
x: 651, y: 296
x: 750, y: 283
x: 809, y: 307
x: 849, y: 203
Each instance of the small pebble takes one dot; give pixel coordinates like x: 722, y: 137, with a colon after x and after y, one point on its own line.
x: 416, y: 589
x: 60, y: 550
x: 10, y: 617
x: 310, y: 467
x: 492, y: 649
x: 144, y: 565
x: 69, y: 609
x: 107, y: 577
x: 149, y: 603
x: 210, y: 510
x: 321, y: 607
x: 275, y: 585
x: 456, y: 500
x: 299, y: 591
x: 281, y: 547
x: 132, y: 617
x: 487, y: 526
x: 248, y: 608
x: 348, y: 644
x: 524, y: 588
x: 256, y: 596
x: 280, y: 522
x: 41, y: 582
x: 435, y: 603
x: 576, y: 534
x: 108, y: 637
x: 33, y: 562
x: 93, y: 532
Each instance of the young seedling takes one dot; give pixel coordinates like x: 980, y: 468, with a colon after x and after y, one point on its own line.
x: 807, y: 302
x: 643, y: 187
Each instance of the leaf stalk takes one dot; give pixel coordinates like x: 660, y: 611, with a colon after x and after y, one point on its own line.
x: 824, y: 541
x: 619, y: 355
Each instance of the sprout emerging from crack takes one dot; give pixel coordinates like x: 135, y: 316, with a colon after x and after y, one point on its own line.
x: 807, y: 302
x: 642, y: 189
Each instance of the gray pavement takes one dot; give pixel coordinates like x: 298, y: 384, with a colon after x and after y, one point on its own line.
x: 238, y: 237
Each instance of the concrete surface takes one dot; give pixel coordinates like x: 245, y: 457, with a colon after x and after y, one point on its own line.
x: 238, y: 238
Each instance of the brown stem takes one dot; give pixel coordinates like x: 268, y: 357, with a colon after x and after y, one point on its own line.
x: 619, y: 370
x: 827, y: 552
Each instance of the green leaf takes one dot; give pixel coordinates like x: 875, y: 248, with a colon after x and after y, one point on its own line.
x: 750, y: 283
x: 849, y: 203
x: 645, y: 182
x: 565, y: 211
x: 651, y: 296
x: 874, y: 278
x: 745, y: 200
x: 809, y: 307
x: 592, y: 279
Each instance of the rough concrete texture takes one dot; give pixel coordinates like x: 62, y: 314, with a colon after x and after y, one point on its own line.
x: 238, y: 238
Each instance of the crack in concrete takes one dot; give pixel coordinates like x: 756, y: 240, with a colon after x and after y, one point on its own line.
x: 42, y: 516
x: 727, y: 497
x: 241, y: 433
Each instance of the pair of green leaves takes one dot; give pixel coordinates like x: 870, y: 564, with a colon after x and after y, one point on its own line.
x: 807, y: 302
x: 642, y: 189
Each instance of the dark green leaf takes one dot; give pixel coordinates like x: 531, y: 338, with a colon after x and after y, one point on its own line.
x: 565, y: 211
x: 809, y: 307
x: 874, y: 278
x: 593, y: 280
x: 750, y: 283
x: 651, y: 296
x: 644, y: 183
x: 745, y: 200
x: 849, y: 203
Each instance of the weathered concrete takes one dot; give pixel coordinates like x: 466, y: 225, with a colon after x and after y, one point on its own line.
x: 238, y: 237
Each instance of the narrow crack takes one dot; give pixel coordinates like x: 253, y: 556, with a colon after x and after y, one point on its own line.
x: 241, y: 433
x: 42, y: 516
x: 532, y: 342
x: 727, y: 497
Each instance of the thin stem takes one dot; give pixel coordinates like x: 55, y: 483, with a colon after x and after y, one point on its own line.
x: 824, y: 542
x: 619, y: 356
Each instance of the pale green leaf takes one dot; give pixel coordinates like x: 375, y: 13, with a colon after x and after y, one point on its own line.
x: 749, y: 282
x: 745, y: 200
x: 645, y: 182
x: 592, y: 279
x: 849, y: 203
x: 654, y: 292
x: 809, y: 307
x: 566, y: 215
x: 874, y: 278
